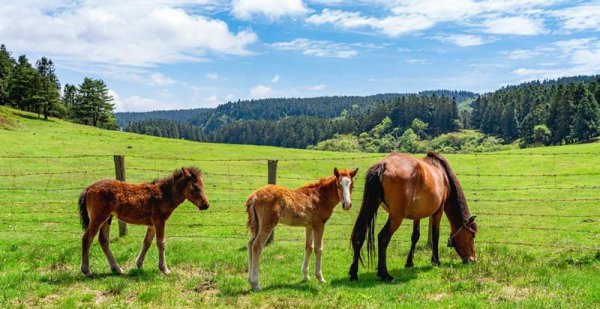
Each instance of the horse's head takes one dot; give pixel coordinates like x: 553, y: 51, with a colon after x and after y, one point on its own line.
x: 463, y: 240
x: 194, y: 188
x: 345, y: 182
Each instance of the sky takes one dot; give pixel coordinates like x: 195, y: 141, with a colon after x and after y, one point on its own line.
x: 179, y: 54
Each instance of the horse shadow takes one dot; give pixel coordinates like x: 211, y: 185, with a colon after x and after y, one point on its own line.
x: 301, y: 286
x: 70, y: 277
x: 369, y: 279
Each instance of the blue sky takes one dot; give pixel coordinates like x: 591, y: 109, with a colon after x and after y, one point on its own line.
x: 173, y: 54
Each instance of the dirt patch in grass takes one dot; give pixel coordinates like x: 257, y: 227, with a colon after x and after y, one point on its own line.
x: 512, y: 294
x: 207, y: 287
x: 437, y: 297
x: 6, y: 123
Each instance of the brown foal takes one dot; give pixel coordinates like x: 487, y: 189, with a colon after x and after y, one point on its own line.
x: 309, y: 206
x: 148, y: 204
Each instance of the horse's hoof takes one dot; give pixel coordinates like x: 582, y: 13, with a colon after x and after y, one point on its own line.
x: 117, y: 270
x: 88, y: 274
x: 306, y: 278
x: 353, y: 277
x: 409, y: 265
x: 255, y: 286
x: 165, y: 271
x: 435, y: 263
x: 322, y: 280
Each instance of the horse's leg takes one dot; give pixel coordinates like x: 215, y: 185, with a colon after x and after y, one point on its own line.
x: 435, y: 236
x: 264, y: 231
x: 318, y: 237
x: 384, y: 237
x: 416, y: 233
x: 161, y: 243
x: 104, y: 239
x: 88, y: 238
x: 308, y: 248
x: 145, y: 246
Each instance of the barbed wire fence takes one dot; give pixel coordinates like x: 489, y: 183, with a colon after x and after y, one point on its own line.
x: 39, y: 195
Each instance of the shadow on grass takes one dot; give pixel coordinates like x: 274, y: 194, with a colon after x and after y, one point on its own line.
x: 402, y: 275
x: 66, y: 278
x: 301, y: 286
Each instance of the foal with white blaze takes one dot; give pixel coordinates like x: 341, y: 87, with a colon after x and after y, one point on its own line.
x: 309, y: 206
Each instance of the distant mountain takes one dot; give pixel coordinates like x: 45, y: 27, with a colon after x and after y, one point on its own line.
x: 277, y: 108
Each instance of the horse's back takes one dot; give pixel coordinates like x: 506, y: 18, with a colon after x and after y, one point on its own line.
x: 288, y: 205
x: 412, y: 187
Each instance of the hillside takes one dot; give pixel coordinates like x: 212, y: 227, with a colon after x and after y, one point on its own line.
x: 537, y: 213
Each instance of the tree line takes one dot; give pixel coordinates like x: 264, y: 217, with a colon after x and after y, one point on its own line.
x: 554, y: 112
x: 440, y: 112
x: 36, y: 88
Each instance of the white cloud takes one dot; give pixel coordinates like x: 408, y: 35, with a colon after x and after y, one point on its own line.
x: 158, y: 79
x: 416, y: 61
x: 141, y: 104
x: 114, y: 32
x: 260, y: 92
x: 521, y: 54
x: 317, y: 48
x: 275, y: 79
x: 462, y: 40
x: 579, y: 57
x: 212, y: 101
x: 583, y: 17
x: 318, y: 87
x: 272, y: 9
x: 408, y: 16
x: 213, y: 76
x: 516, y: 25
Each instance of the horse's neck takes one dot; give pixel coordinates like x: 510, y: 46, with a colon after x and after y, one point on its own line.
x: 171, y: 195
x: 453, y: 212
x: 328, y: 192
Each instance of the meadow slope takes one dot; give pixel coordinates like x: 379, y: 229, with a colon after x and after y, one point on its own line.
x: 538, y: 212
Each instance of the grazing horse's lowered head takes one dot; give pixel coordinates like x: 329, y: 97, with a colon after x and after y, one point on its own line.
x: 463, y: 240
x: 345, y: 182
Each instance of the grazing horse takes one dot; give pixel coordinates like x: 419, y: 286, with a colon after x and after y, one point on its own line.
x: 309, y: 206
x: 148, y: 204
x: 413, y: 189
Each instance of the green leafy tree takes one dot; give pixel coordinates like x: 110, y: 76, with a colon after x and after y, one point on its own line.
x: 23, y: 77
x: 587, y: 118
x: 541, y: 134
x: 48, y: 89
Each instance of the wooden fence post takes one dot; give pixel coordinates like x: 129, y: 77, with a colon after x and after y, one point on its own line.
x: 272, y: 172
x: 120, y: 175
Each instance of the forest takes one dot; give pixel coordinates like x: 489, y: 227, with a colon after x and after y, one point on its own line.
x: 36, y: 88
x: 549, y: 112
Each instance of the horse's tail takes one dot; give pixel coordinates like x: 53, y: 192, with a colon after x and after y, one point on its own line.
x: 83, y: 212
x: 457, y: 195
x: 365, y: 223
x: 252, y: 223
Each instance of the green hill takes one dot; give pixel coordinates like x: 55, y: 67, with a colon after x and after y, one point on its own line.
x: 537, y: 212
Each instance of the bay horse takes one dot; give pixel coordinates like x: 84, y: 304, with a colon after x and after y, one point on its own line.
x: 412, y: 189
x: 309, y: 206
x: 148, y: 204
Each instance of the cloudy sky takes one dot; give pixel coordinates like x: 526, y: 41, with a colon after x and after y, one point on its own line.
x: 171, y: 54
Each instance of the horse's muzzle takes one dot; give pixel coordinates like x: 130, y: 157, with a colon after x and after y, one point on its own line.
x: 204, y: 207
x: 346, y: 206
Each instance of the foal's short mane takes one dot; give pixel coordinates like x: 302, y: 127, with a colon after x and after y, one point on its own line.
x: 178, y: 173
x: 319, y: 183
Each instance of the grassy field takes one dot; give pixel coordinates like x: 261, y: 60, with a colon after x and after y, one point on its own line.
x: 538, y: 212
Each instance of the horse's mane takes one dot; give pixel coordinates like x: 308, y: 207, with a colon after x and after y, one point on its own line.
x: 178, y: 173
x: 457, y: 195
x: 317, y: 184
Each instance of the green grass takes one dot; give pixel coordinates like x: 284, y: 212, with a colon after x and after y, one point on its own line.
x: 542, y: 258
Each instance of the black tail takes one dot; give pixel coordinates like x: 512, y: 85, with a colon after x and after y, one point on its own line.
x: 457, y: 199
x: 365, y: 223
x: 83, y: 212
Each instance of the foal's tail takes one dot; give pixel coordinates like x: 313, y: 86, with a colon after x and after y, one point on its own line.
x: 252, y: 223
x: 365, y: 223
x: 83, y: 212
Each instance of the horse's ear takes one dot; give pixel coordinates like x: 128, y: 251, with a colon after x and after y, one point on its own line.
x: 185, y: 172
x: 336, y: 172
x: 472, y: 219
x: 354, y: 172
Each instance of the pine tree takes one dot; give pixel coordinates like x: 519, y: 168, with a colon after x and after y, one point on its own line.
x: 49, y: 89
x: 587, y: 118
x: 7, y: 64
x: 23, y: 76
x: 93, y: 105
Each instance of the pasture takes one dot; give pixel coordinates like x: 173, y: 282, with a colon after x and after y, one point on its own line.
x: 538, y: 214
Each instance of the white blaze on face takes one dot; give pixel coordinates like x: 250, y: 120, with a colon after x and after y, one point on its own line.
x: 346, y: 200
